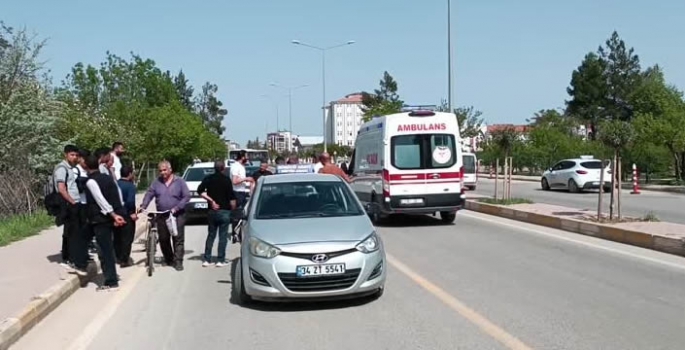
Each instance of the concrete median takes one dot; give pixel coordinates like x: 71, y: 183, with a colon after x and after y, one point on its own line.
x: 659, y: 236
x: 13, y: 328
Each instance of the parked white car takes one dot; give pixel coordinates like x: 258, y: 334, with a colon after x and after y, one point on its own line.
x: 577, y: 175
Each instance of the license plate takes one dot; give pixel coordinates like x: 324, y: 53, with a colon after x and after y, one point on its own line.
x: 596, y: 183
x: 320, y: 270
x: 411, y: 201
x: 200, y: 205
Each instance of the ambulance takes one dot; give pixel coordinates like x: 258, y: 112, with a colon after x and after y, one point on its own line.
x: 409, y: 163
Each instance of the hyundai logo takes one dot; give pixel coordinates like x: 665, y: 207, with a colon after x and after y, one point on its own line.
x: 319, y: 258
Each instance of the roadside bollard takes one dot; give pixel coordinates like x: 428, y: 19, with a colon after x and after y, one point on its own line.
x: 492, y: 172
x: 636, y: 186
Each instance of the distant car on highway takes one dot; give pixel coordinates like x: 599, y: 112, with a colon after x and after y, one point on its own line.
x: 576, y: 175
x: 306, y: 236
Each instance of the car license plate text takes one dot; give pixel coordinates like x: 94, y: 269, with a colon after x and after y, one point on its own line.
x: 320, y: 270
x: 412, y: 201
x: 200, y: 205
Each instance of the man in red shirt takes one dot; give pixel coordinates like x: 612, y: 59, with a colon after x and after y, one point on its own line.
x: 330, y: 168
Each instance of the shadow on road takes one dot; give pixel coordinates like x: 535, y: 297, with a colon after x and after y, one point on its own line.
x: 405, y: 220
x: 294, y: 306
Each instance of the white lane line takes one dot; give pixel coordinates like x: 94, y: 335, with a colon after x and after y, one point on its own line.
x: 94, y: 327
x: 480, y: 321
x: 518, y: 226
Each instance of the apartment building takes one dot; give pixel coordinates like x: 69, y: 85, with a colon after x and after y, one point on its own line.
x: 343, y: 119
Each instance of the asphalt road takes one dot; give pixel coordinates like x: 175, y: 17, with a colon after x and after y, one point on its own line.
x: 668, y: 207
x: 484, y: 283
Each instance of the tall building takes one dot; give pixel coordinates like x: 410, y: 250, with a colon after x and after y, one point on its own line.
x: 281, y: 141
x: 343, y: 119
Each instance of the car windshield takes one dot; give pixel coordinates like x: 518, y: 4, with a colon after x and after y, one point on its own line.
x: 306, y: 200
x: 198, y: 174
x: 469, y: 164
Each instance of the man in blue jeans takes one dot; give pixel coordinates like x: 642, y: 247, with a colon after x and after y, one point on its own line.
x: 217, y: 189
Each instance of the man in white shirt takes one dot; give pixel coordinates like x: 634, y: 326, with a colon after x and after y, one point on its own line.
x: 117, y: 151
x: 241, y: 188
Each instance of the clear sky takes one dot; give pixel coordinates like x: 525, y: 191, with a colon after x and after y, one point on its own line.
x: 511, y: 58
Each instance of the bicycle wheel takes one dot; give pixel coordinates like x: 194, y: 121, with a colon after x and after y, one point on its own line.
x: 151, y: 244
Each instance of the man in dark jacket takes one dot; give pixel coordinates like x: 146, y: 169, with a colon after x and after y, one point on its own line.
x: 123, y: 235
x: 105, y: 212
x: 262, y: 171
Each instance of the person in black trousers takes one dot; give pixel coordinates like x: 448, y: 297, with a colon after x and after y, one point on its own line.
x: 123, y: 235
x: 105, y: 212
x: 217, y: 189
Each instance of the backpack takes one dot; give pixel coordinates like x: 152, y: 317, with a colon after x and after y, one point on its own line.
x: 52, y: 199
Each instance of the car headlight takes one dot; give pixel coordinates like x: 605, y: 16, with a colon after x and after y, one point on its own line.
x: 262, y: 249
x: 369, y: 244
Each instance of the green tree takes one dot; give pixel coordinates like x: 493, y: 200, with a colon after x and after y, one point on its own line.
x: 28, y: 114
x: 623, y: 74
x: 184, y: 91
x: 210, y: 109
x: 382, y: 101
x: 588, y: 92
x: 660, y: 117
x: 469, y: 119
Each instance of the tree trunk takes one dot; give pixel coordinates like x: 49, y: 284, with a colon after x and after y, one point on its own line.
x: 613, y: 187
x: 620, y: 185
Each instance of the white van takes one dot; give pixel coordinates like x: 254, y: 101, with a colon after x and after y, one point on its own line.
x: 470, y: 170
x: 409, y: 163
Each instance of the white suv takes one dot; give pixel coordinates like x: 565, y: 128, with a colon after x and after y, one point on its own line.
x: 576, y: 175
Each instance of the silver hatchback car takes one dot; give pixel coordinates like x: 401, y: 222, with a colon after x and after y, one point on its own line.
x: 307, y: 237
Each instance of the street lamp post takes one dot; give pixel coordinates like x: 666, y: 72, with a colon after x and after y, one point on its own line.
x: 290, y: 90
x: 275, y: 102
x: 323, y: 77
x: 449, y: 55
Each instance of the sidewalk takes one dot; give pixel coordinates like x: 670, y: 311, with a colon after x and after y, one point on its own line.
x: 30, y: 270
x: 666, y: 237
x: 626, y: 185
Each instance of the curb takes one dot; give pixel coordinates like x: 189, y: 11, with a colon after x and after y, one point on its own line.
x: 626, y: 185
x: 13, y: 328
x: 662, y: 244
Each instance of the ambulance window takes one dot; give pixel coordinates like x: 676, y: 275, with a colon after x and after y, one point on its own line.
x: 406, y: 151
x: 442, y: 151
x: 423, y: 151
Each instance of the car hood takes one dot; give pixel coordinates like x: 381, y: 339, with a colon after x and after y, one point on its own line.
x: 310, y: 230
x: 193, y: 185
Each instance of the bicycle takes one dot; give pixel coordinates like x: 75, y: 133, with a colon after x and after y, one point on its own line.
x: 151, y: 239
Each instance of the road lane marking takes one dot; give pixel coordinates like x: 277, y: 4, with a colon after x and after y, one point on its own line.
x: 471, y: 315
x: 94, y: 327
x: 578, y: 241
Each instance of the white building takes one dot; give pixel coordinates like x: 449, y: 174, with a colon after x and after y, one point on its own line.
x: 343, y: 119
x: 281, y: 141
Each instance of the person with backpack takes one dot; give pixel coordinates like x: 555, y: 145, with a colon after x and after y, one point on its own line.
x: 64, y: 202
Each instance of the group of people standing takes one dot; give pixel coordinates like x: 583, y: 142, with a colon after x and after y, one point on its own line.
x: 97, y: 201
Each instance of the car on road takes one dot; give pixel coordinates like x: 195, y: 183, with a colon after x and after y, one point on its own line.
x: 306, y: 236
x: 577, y: 175
x: 194, y: 174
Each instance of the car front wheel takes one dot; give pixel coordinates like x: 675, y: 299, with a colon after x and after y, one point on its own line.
x: 239, y: 294
x: 545, y: 184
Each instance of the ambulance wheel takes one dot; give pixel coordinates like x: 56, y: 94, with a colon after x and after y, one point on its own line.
x: 448, y: 217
